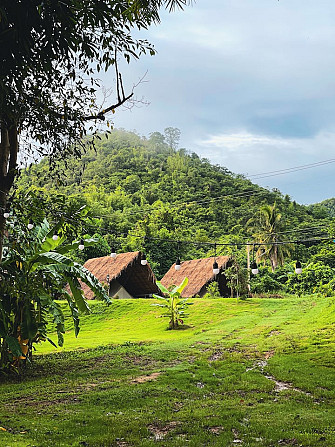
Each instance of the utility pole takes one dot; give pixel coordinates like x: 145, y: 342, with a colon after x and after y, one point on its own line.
x: 248, y: 264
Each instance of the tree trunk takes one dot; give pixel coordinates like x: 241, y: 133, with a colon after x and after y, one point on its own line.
x: 4, y: 355
x: 8, y: 162
x: 237, y: 286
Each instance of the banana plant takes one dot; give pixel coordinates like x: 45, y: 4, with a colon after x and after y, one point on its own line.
x: 173, y: 303
x: 36, y: 272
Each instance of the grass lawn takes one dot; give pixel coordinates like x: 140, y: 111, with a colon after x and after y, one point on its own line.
x: 258, y: 372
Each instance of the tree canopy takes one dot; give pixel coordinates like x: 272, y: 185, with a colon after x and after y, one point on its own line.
x: 50, y: 53
x: 269, y: 231
x: 138, y: 187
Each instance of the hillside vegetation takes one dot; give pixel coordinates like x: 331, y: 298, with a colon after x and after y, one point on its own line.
x: 136, y: 187
x: 324, y: 208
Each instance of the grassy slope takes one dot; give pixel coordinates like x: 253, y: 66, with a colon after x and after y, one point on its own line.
x: 211, y: 389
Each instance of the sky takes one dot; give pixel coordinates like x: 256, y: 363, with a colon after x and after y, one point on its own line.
x: 251, y: 86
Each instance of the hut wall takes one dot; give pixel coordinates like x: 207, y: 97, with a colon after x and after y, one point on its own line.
x: 117, y: 290
x: 223, y: 288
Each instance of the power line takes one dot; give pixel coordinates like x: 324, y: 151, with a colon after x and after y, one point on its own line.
x: 210, y: 243
x: 243, y: 194
x: 251, y: 193
x: 232, y: 244
x: 293, y: 169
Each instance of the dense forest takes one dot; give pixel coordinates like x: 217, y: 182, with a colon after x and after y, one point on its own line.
x: 146, y: 194
x: 327, y: 206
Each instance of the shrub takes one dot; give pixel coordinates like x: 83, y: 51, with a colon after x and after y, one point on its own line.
x: 212, y: 290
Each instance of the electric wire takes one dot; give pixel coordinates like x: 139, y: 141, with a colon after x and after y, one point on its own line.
x: 290, y: 170
x: 118, y: 235
x: 243, y: 194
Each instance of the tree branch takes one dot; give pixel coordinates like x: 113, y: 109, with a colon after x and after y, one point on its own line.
x: 101, y: 115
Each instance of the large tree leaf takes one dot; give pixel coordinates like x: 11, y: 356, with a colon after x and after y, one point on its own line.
x: 158, y: 297
x: 50, y: 257
x: 29, y: 325
x: 78, y: 271
x: 78, y: 295
x: 94, y: 284
x: 181, y: 287
x: 42, y: 230
x: 162, y: 288
x: 49, y: 244
x: 74, y: 246
x: 57, y: 314
x: 14, y: 345
x: 74, y: 312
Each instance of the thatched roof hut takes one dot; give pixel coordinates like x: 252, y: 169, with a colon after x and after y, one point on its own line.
x: 124, y: 276
x: 200, y: 274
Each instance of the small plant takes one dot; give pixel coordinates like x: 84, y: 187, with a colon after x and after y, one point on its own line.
x: 213, y: 290
x: 173, y: 303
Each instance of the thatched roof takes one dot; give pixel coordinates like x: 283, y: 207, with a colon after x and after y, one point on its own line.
x: 137, y: 279
x: 198, y: 271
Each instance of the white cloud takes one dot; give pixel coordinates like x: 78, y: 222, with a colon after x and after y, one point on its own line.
x: 250, y: 84
x: 242, y: 139
x: 253, y: 154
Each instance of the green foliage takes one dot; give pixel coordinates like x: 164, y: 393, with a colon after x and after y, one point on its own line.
x: 34, y: 272
x: 173, y: 303
x: 213, y: 290
x: 325, y: 254
x: 237, y: 279
x: 268, y: 231
x: 266, y: 281
x: 315, y: 277
x: 141, y: 187
x: 324, y: 208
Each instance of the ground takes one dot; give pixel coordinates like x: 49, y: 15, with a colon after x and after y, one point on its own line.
x: 258, y: 372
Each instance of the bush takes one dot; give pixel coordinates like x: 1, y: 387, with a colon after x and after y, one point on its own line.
x: 314, y: 278
x: 266, y: 281
x: 212, y: 290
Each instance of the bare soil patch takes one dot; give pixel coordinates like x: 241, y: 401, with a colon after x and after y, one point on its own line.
x: 148, y: 378
x: 216, y: 430
x: 159, y: 432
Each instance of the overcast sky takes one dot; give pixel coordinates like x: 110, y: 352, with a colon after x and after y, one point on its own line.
x: 251, y: 86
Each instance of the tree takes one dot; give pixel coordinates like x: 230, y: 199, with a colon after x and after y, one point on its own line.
x: 172, y: 137
x: 237, y: 279
x: 50, y: 52
x: 268, y: 230
x: 33, y: 274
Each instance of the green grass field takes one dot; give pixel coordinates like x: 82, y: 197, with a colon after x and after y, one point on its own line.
x: 258, y: 372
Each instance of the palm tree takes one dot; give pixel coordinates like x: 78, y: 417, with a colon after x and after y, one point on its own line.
x: 267, y: 230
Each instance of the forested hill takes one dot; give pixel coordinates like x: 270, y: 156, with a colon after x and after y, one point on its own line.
x: 326, y: 207
x: 146, y: 186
